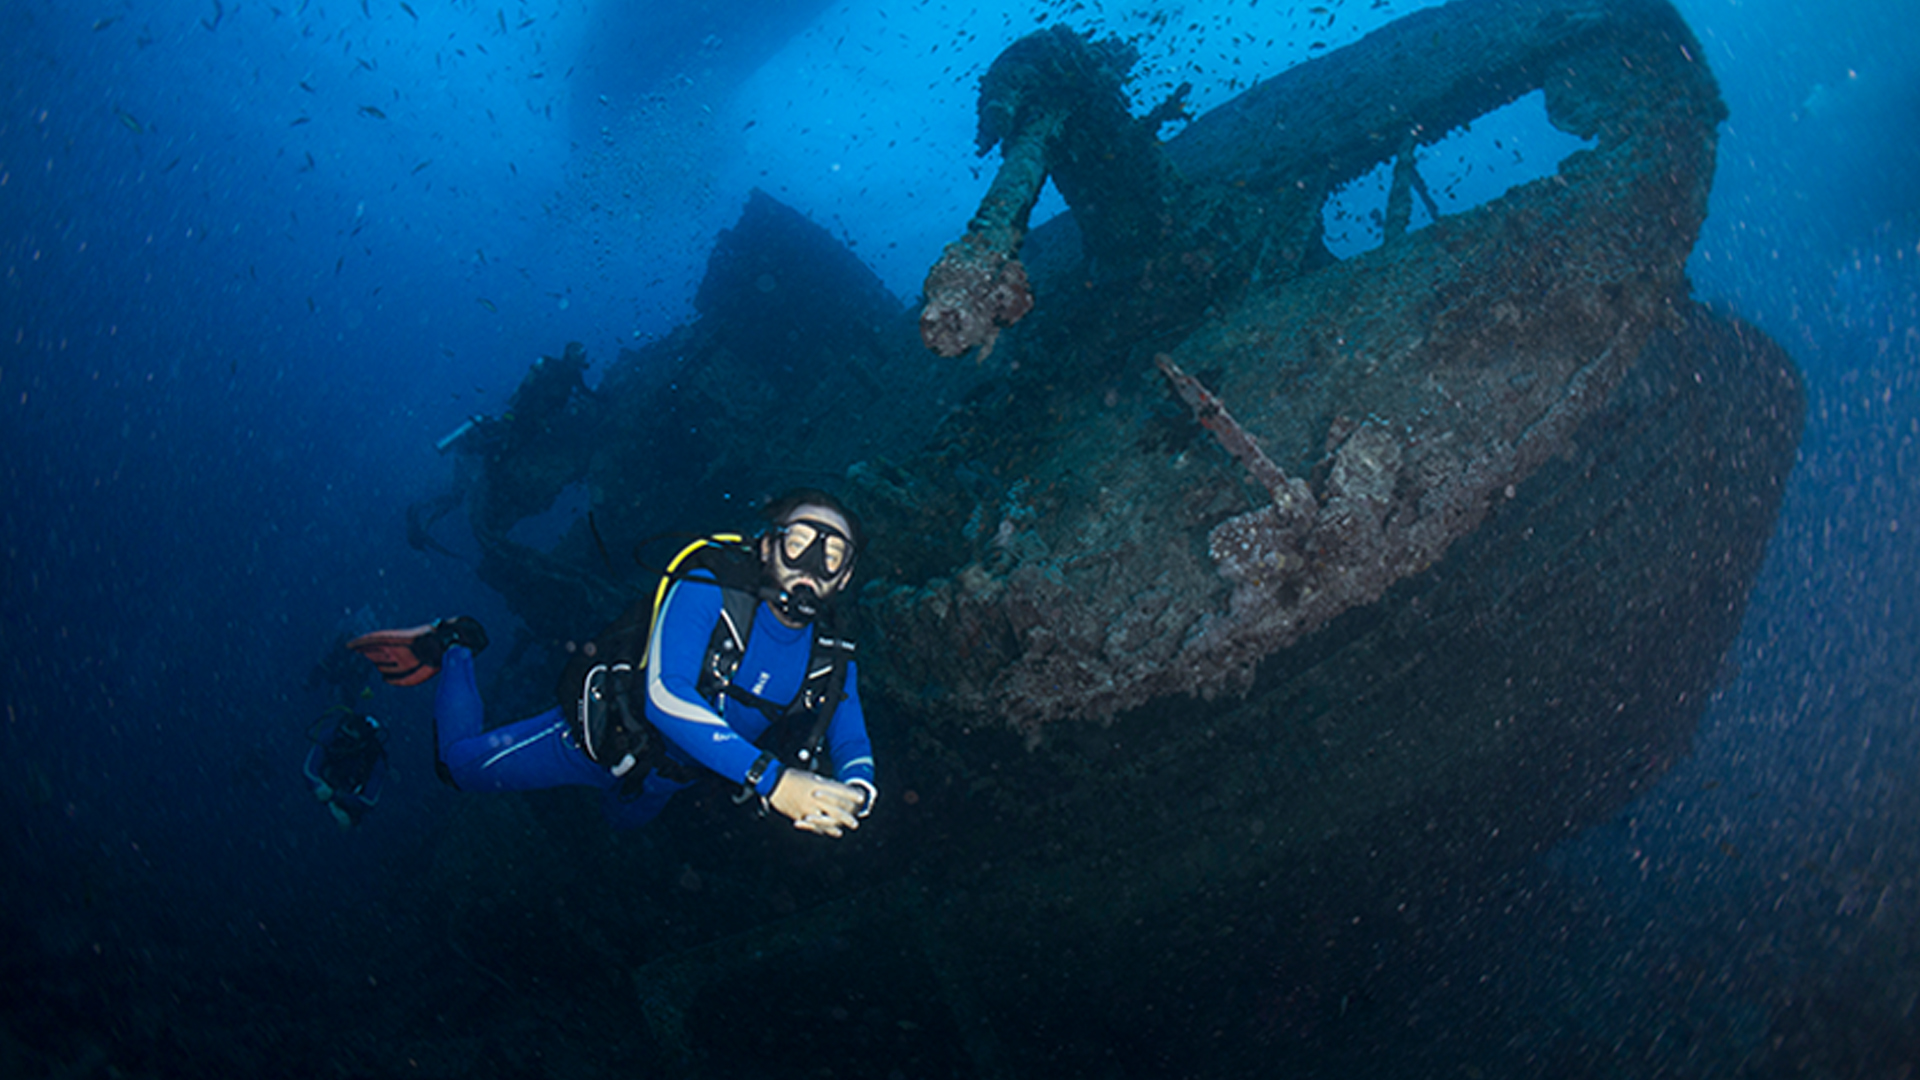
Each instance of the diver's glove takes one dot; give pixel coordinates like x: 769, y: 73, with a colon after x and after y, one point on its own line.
x: 817, y: 804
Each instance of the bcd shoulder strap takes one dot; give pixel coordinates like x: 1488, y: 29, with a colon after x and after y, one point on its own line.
x: 824, y: 690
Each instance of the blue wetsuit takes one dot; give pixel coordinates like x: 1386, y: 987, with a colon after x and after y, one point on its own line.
x: 540, y: 752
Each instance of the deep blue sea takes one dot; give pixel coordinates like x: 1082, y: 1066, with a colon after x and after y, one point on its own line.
x: 257, y: 256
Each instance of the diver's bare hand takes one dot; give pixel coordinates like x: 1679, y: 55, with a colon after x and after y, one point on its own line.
x: 817, y: 804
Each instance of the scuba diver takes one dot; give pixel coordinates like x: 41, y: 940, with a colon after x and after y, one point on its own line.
x: 731, y: 669
x: 347, y: 767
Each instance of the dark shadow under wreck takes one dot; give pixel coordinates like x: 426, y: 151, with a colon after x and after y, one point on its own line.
x: 1244, y: 592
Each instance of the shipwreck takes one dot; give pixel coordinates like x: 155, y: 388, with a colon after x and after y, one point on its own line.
x: 1238, y: 588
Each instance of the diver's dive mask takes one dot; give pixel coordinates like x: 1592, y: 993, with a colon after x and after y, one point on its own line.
x: 355, y: 731
x: 814, y: 547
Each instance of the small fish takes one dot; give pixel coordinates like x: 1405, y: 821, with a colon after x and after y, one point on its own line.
x: 219, y: 12
x: 501, y: 14
x: 337, y: 264
x: 409, y: 11
x: 365, y: 63
x: 309, y: 166
x: 298, y: 120
x: 307, y: 88
x: 102, y: 24
x: 373, y: 111
x: 364, y: 9
x: 486, y: 303
x: 130, y: 122
x: 310, y: 305
x: 422, y: 165
x: 170, y: 165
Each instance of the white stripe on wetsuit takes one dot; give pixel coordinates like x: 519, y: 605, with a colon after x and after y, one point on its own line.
x: 657, y: 695
x: 523, y: 744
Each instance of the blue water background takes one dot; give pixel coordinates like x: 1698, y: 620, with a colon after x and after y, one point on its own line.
x: 258, y: 257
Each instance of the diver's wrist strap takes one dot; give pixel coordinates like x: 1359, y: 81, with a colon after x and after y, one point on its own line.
x: 757, y: 770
